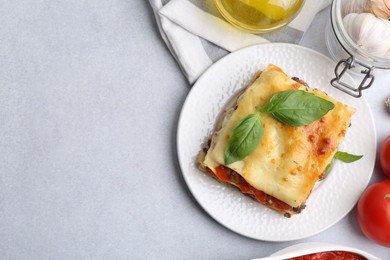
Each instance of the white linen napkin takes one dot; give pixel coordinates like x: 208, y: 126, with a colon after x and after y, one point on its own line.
x: 197, y: 35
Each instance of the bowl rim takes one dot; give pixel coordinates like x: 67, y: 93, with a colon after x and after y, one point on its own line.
x: 314, y: 247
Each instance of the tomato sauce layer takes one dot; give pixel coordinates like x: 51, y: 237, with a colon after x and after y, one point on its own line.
x: 226, y: 175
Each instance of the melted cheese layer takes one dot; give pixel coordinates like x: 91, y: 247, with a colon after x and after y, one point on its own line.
x: 289, y: 160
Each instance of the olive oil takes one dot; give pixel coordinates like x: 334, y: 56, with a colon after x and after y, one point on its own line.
x: 259, y: 14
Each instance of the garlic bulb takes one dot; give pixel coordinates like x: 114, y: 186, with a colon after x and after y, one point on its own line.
x: 381, y: 8
x: 369, y: 33
x: 387, y: 103
x: 355, y: 6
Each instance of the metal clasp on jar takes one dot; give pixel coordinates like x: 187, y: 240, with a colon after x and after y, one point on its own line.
x: 347, y: 64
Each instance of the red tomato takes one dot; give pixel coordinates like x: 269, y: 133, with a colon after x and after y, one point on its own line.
x: 385, y: 156
x: 373, y: 212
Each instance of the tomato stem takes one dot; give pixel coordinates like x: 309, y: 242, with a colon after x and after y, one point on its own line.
x: 387, y: 196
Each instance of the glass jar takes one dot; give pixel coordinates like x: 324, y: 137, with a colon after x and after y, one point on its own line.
x: 356, y: 39
x: 259, y: 16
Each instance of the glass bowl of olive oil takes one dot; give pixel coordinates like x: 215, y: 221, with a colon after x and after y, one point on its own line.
x: 259, y: 16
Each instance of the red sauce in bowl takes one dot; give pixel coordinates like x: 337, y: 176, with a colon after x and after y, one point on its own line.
x: 330, y: 255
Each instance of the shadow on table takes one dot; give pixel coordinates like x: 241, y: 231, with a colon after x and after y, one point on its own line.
x: 180, y: 178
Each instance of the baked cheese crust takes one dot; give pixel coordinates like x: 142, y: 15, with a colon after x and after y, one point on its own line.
x: 289, y: 159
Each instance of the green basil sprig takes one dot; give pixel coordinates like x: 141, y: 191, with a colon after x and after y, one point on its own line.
x: 246, y: 136
x: 342, y: 156
x: 297, y: 107
x: 328, y: 168
x: 347, y: 157
x: 290, y: 107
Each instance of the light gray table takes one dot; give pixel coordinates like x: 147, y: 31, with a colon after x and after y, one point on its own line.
x: 89, y: 103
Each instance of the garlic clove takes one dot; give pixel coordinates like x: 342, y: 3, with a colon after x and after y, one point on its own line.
x: 373, y: 35
x: 369, y: 33
x: 352, y: 25
x: 355, y: 6
x: 387, y: 103
x: 381, y: 8
x: 387, y: 3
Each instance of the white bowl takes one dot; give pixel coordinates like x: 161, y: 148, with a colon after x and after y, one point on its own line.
x: 314, y: 247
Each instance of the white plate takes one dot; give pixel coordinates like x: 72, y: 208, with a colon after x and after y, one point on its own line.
x: 330, y: 200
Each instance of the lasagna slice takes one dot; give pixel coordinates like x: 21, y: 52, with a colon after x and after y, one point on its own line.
x: 283, y: 169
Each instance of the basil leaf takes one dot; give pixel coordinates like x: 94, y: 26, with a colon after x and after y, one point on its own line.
x: 244, y: 139
x: 297, y: 107
x: 346, y: 157
x: 342, y: 156
x: 328, y: 168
